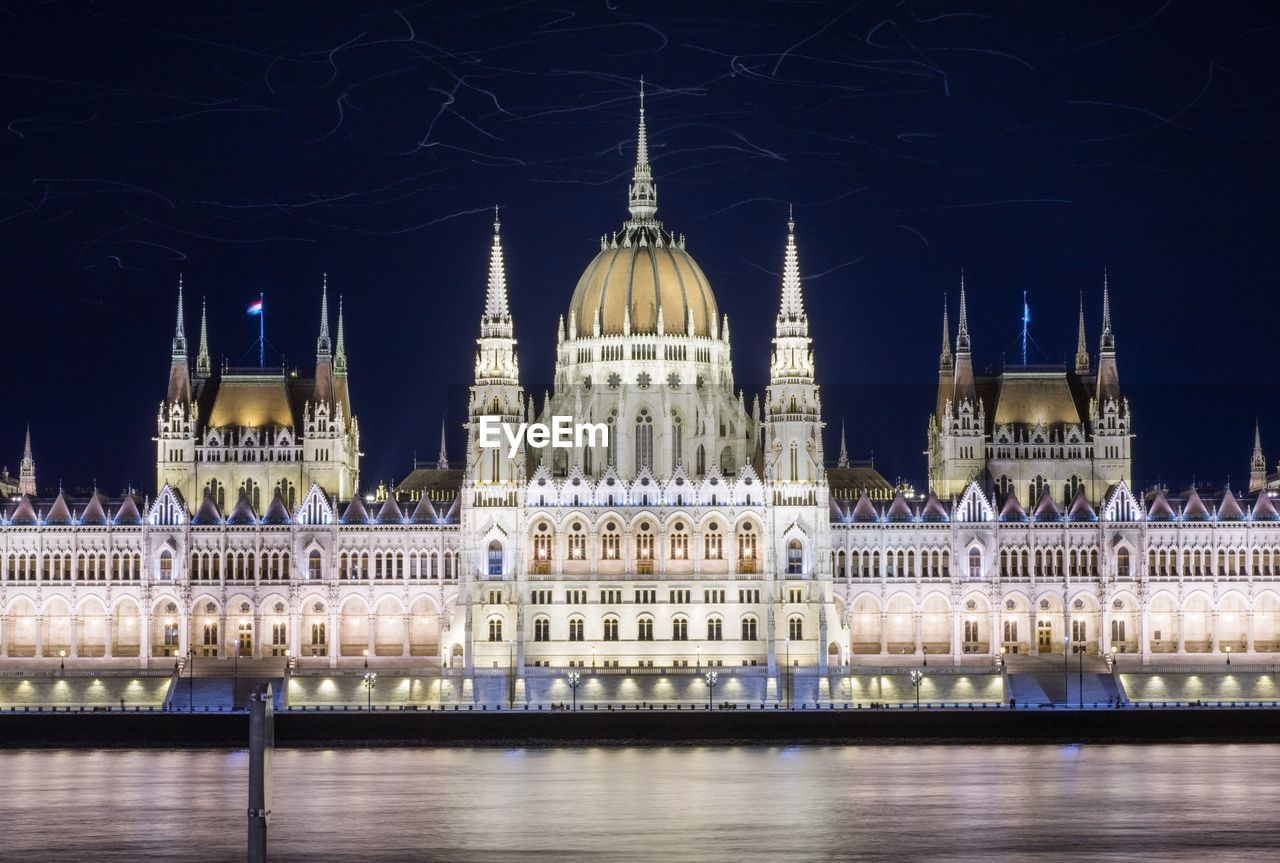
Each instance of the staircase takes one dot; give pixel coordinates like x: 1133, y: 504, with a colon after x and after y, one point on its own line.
x: 219, y: 685
x: 1040, y: 680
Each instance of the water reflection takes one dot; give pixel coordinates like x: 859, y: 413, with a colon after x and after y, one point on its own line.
x: 653, y: 804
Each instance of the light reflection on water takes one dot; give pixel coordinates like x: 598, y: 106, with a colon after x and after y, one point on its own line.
x: 745, y: 803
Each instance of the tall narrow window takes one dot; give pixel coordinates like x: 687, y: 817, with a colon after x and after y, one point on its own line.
x: 677, y: 446
x: 795, y: 557
x: 495, y: 558
x: 644, y: 441
x: 975, y: 563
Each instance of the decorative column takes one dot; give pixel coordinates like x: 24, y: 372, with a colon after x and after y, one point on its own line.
x: 956, y: 644
x: 256, y: 651
x: 224, y: 637
x: 39, y: 635
x: 1213, y: 634
x: 1182, y: 639
x: 1104, y: 632
x: 74, y: 647
x: 1248, y: 625
x: 333, y: 639
x: 916, y: 625
x: 108, y: 649
x: 1033, y: 634
x: 1144, y: 624
x: 184, y: 633
x: 884, y: 633
x: 4, y: 635
x: 408, y: 624
x: 371, y: 639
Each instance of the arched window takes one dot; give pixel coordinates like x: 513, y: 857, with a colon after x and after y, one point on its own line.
x: 715, y: 629
x: 611, y: 629
x: 975, y: 563
x: 795, y: 557
x: 1036, y: 489
x: 1122, y: 563
x: 576, y: 629
x: 495, y: 629
x: 644, y: 441
x: 795, y: 628
x: 495, y: 558
x: 679, y: 541
x: 727, y: 463
x: 217, y: 491
x: 677, y: 450
x: 253, y: 492
x: 680, y: 629
x: 749, y: 629
x: 701, y: 461
x: 313, y: 566
x: 713, y: 542
x: 644, y: 629
x: 288, y: 494
x: 166, y: 565
x: 610, y: 542
x: 542, y: 629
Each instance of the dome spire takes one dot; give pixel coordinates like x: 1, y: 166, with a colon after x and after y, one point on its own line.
x: 497, y: 313
x: 202, y: 358
x: 962, y: 335
x: 442, y: 462
x: 792, y: 295
x: 944, y: 357
x: 643, y: 198
x: 843, y: 459
x: 1082, y: 351
x: 323, y: 346
x: 179, y: 330
x: 340, y: 348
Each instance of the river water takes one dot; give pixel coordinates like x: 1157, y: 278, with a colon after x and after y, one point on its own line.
x: 744, y: 803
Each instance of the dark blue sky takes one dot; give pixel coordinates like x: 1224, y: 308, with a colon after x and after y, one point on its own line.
x: 252, y: 146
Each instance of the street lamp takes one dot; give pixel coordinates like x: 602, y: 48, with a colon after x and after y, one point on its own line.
x: 1228, y: 654
x: 593, y: 657
x: 1003, y: 649
x: 511, y: 673
x: 917, y: 677
x: 62, y: 660
x: 698, y: 662
x: 191, y: 680
x: 711, y: 686
x: 574, y: 680
x: 1080, y: 654
x: 925, y: 650
x: 366, y: 659
x: 1066, y: 672
x: 235, y: 674
x: 370, y: 680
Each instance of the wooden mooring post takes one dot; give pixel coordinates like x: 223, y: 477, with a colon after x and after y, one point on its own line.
x: 262, y: 740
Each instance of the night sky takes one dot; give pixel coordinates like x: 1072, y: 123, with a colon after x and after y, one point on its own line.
x: 253, y: 146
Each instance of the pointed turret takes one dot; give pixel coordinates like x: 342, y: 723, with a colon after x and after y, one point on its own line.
x: 179, y: 371
x: 442, y: 463
x: 324, y: 391
x: 1108, y: 377
x: 1082, y: 352
x: 27, y: 468
x: 496, y: 322
x: 843, y: 459
x: 203, y: 366
x: 340, y: 349
x: 963, y: 389
x: 1257, y: 464
x: 643, y: 194
x: 945, y: 362
x: 792, y: 311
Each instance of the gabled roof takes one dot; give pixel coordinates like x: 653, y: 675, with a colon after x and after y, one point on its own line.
x: 277, y: 512
x: 934, y: 510
x: 208, y: 512
x: 1160, y: 509
x: 390, y: 512
x: 355, y: 512
x: 59, y: 513
x: 1081, y: 509
x: 1195, y: 509
x: 94, y: 513
x: 25, y: 512
x: 1263, y: 508
x: 1229, y: 509
x: 898, y: 510
x: 1047, y: 508
x: 836, y: 512
x: 864, y: 511
x: 1012, y: 510
x: 128, y: 511
x: 452, y: 514
x: 424, y: 512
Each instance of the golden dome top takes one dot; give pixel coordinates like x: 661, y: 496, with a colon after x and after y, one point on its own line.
x: 643, y: 277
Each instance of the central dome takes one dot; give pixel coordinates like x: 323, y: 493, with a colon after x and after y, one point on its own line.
x: 643, y: 277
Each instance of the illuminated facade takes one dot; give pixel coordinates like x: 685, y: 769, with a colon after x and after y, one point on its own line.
x: 705, y: 532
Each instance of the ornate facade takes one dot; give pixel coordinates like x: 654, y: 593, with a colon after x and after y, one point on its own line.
x: 703, y: 532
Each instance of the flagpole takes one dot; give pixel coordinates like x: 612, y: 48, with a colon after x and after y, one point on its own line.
x: 262, y: 334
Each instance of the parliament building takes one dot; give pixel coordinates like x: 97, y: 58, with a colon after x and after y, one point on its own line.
x: 711, y: 529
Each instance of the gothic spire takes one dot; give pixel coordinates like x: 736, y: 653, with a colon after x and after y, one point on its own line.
x: 442, y: 463
x: 1108, y: 340
x: 27, y: 469
x: 202, y: 358
x: 643, y: 197
x: 1257, y: 464
x: 962, y: 335
x: 340, y: 349
x: 323, y: 347
x: 497, y: 313
x: 792, y: 296
x: 944, y: 357
x: 1082, y: 352
x: 843, y: 459
x: 179, y: 330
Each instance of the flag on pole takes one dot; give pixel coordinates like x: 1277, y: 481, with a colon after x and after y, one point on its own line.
x: 255, y: 308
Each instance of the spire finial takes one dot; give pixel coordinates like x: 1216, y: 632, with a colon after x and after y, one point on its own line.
x: 202, y: 358
x: 1082, y: 351
x: 792, y: 293
x: 843, y: 459
x: 27, y: 469
x: 496, y: 310
x: 323, y: 346
x: 442, y: 461
x: 1108, y: 339
x: 944, y: 356
x: 179, y: 330
x: 340, y: 347
x: 643, y: 194
x: 962, y: 334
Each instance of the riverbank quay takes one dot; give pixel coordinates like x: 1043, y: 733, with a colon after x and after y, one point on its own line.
x: 140, y: 729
